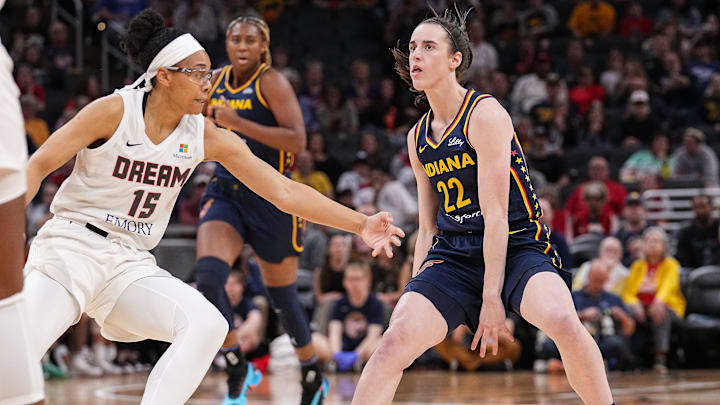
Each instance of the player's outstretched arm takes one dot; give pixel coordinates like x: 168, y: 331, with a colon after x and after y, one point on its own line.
x: 95, y: 123
x: 295, y: 198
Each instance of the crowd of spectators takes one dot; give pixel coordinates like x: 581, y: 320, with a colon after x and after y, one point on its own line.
x: 609, y: 99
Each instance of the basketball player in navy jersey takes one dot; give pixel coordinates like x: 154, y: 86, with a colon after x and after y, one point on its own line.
x: 259, y: 104
x: 134, y: 151
x: 481, y: 250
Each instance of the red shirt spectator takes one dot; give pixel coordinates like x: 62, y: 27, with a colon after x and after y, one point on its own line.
x: 587, y: 91
x: 598, y: 170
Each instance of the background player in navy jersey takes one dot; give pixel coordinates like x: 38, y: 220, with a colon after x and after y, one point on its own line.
x: 134, y: 150
x: 259, y: 104
x: 480, y: 250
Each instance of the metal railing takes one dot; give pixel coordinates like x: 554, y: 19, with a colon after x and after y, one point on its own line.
x: 671, y: 207
x: 76, y: 21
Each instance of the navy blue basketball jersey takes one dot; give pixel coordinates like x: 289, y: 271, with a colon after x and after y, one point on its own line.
x: 248, y: 102
x: 451, y: 165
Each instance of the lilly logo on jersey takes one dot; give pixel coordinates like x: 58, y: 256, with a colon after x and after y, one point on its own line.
x: 455, y: 141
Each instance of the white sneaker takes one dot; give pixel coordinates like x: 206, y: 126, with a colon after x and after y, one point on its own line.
x: 108, y: 367
x: 61, y: 356
x: 102, y: 360
x: 81, y: 367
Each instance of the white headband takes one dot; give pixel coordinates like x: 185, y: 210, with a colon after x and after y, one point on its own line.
x: 174, y: 52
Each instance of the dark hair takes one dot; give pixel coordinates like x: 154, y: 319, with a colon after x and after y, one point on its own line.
x: 453, y: 22
x: 264, y: 29
x: 147, y: 35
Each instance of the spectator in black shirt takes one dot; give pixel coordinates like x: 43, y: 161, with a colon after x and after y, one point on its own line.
x: 697, y: 242
x: 640, y: 123
x: 632, y: 226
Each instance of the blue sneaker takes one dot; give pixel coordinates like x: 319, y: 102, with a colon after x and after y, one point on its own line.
x: 251, y: 380
x: 314, y: 389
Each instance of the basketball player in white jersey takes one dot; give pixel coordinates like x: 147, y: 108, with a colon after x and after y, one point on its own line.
x: 17, y: 363
x: 134, y: 151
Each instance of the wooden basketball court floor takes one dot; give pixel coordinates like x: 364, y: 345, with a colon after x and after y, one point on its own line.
x: 417, y: 388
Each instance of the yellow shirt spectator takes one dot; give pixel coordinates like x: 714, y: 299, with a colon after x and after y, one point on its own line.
x: 666, y: 280
x: 592, y: 17
x: 317, y: 180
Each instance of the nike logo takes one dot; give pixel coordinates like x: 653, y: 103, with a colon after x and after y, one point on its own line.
x: 219, y: 91
x: 516, y: 231
x: 422, y: 148
x: 132, y: 144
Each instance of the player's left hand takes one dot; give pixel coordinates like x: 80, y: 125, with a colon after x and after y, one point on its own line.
x: 380, y: 234
x: 491, y: 326
x: 222, y: 114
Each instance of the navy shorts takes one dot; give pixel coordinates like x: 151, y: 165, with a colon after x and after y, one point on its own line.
x: 453, y: 273
x: 273, y: 234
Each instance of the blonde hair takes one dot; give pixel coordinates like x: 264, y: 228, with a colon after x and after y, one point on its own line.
x: 264, y: 29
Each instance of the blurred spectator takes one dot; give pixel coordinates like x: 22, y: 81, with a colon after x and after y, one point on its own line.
x: 571, y: 66
x: 357, y: 321
x: 392, y: 196
x: 32, y: 24
x: 337, y: 115
x: 28, y: 86
x: 538, y: 19
x: 640, y: 123
x: 598, y: 216
x: 695, y: 160
x: 248, y: 317
x: 356, y: 178
x: 655, y: 49
x: 376, y: 156
x: 598, y: 170
x: 531, y: 89
x: 33, y: 56
x: 586, y: 91
x: 686, y: 15
x: 500, y: 87
x: 546, y: 159
x: 653, y: 162
x: 390, y: 277
x: 328, y: 281
x: 58, y: 52
x: 704, y: 64
x: 634, y: 77
x: 697, y: 241
x: 322, y: 160
x: 197, y: 18
x: 485, y: 57
x: 305, y: 173
x: 388, y: 112
x: 635, y: 25
x: 557, y: 239
x: 504, y: 23
x: 189, y: 207
x: 594, y: 133
x: 361, y: 90
x: 232, y: 9
x: 632, y: 225
x: 653, y: 292
x: 38, y: 213
x: 592, y: 18
x: 35, y: 127
x: 549, y: 116
x: 612, y: 74
x: 610, y: 253
x: 709, y: 106
x: 675, y: 84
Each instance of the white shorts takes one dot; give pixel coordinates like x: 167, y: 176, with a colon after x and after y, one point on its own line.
x: 92, y: 268
x: 13, y: 146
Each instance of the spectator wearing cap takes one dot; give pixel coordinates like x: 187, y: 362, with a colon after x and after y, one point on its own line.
x: 592, y: 18
x: 640, y: 123
x: 598, y: 170
x: 531, y: 89
x: 652, y: 292
x: 305, y: 173
x: 697, y: 241
x: 632, y: 225
x: 598, y: 216
x: 539, y: 19
x: 653, y: 162
x: 695, y: 160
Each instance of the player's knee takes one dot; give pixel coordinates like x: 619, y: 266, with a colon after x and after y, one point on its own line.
x: 397, y: 344
x: 211, y: 275
x: 210, y: 326
x: 562, y: 324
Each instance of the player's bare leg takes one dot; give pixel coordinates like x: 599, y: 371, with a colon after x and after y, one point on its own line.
x: 548, y: 305
x: 415, y: 326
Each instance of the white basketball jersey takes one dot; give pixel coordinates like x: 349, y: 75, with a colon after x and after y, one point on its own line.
x: 128, y: 186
